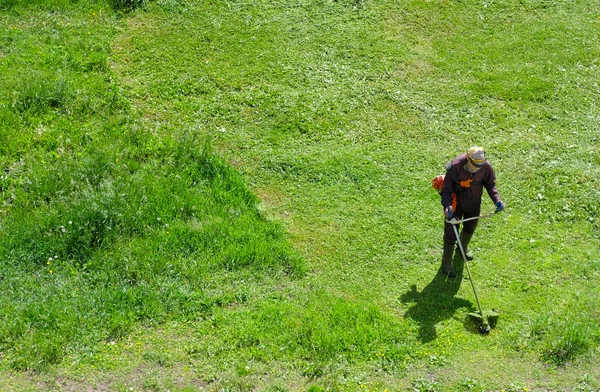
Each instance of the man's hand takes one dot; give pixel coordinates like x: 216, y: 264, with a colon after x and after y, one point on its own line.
x: 500, y: 206
x: 448, y: 211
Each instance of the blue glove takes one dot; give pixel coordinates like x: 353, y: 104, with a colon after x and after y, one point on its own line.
x: 500, y: 206
x: 449, y: 211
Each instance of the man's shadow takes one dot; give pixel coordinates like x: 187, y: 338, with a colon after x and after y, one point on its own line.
x: 436, y: 302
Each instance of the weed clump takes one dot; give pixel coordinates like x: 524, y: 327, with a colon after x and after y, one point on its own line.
x: 573, y: 340
x: 559, y: 338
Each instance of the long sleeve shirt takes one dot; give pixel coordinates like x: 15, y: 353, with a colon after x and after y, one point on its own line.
x: 468, y: 187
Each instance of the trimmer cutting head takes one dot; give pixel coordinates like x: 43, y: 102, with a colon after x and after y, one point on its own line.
x: 484, y: 322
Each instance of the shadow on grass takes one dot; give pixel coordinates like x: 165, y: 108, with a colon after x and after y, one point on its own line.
x: 436, y: 302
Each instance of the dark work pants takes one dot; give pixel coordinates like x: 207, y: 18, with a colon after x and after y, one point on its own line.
x: 468, y: 227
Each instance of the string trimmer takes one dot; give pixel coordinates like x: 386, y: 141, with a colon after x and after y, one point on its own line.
x: 488, y: 318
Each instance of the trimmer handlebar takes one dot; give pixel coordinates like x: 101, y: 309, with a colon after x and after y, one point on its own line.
x: 455, y: 221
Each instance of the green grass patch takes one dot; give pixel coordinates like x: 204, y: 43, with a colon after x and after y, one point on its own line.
x: 318, y: 329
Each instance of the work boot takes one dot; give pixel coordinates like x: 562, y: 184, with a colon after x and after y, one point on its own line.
x: 464, y: 239
x: 447, y: 267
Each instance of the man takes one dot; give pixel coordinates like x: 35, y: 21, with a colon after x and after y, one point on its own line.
x: 466, y: 176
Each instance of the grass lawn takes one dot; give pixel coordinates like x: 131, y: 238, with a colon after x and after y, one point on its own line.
x: 235, y: 195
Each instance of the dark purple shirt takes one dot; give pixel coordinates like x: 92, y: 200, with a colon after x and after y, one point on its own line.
x: 469, y: 193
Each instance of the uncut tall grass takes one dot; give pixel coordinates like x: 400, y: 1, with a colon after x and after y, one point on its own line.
x: 105, y: 225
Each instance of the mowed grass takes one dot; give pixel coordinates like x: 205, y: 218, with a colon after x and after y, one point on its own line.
x: 337, y: 115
